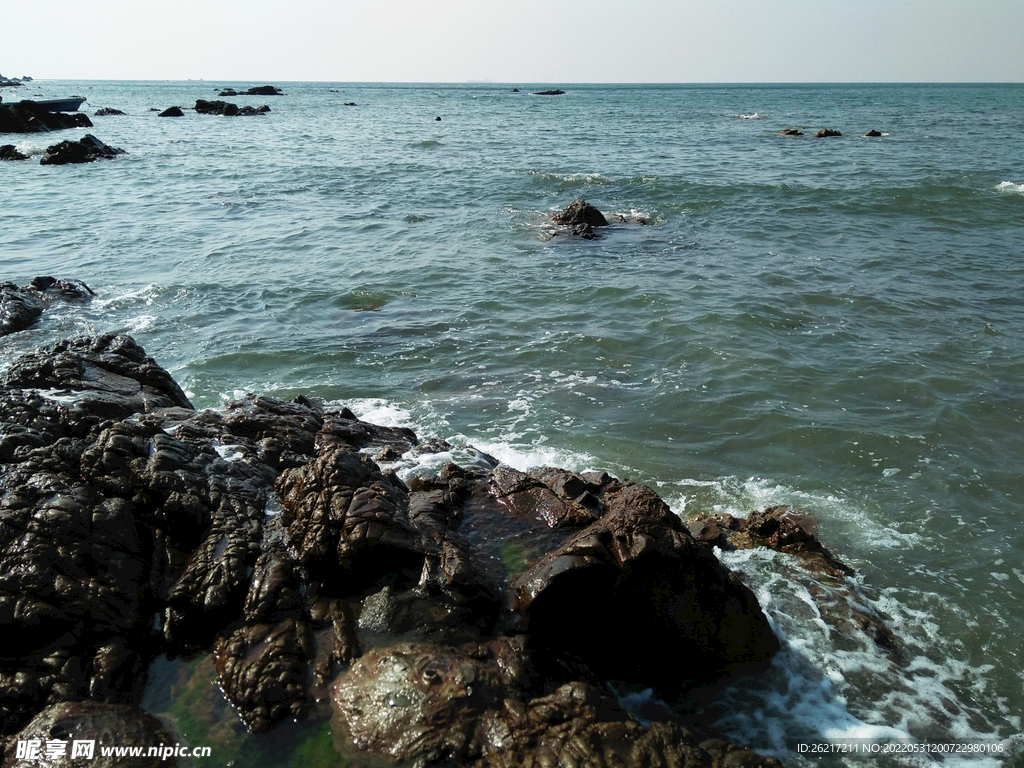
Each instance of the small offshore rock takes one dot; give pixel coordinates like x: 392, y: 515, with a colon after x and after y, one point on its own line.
x: 791, y: 132
x: 259, y: 90
x: 553, y: 92
x: 826, y: 133
x: 581, y: 212
x: 85, y: 150
x: 10, y: 152
x: 172, y: 112
x: 105, y: 111
x: 872, y: 133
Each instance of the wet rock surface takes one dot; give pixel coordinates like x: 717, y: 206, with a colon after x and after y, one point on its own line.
x: 53, y: 733
x: 480, y: 705
x: 779, y: 528
x: 21, y: 307
x: 491, y: 605
x: 579, y: 213
x: 86, y: 150
x: 10, y: 152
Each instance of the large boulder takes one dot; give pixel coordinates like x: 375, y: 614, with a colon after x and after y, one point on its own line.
x: 634, y: 597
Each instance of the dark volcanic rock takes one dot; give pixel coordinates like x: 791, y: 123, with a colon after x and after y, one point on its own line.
x: 172, y: 112
x: 872, y: 133
x: 10, y: 152
x: 228, y: 109
x: 60, y: 725
x: 635, y: 597
x: 259, y: 90
x: 107, y: 111
x: 778, y: 528
x: 495, y: 603
x: 553, y: 92
x: 85, y: 150
x: 478, y: 705
x: 19, y: 308
x: 581, y: 213
x: 205, y: 107
x: 29, y: 117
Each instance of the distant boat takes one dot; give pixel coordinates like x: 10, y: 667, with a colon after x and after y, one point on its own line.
x: 55, y: 105
x: 71, y: 104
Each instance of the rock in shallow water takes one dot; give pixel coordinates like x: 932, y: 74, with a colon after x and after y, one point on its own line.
x: 85, y: 150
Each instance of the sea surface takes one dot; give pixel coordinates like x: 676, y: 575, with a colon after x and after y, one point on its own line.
x: 832, y: 324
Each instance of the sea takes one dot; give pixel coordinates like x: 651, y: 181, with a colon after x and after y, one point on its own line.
x: 834, y: 324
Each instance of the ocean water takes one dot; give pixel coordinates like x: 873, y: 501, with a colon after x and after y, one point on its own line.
x: 834, y: 324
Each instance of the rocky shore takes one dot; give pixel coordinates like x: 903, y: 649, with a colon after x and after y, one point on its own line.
x: 480, y: 616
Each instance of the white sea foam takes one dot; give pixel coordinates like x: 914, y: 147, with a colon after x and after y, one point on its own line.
x: 1010, y: 186
x: 378, y: 411
x: 141, y: 323
x: 833, y: 680
x: 62, y: 396
x: 145, y: 296
x: 228, y: 451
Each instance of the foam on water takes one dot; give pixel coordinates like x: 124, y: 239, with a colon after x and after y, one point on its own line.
x: 856, y: 663
x: 1010, y: 186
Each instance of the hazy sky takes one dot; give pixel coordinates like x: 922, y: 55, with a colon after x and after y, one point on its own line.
x: 555, y: 41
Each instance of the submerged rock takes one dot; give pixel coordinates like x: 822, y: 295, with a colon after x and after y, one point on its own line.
x: 791, y: 132
x: 552, y: 92
x: 826, y: 133
x: 107, y: 111
x: 85, y: 150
